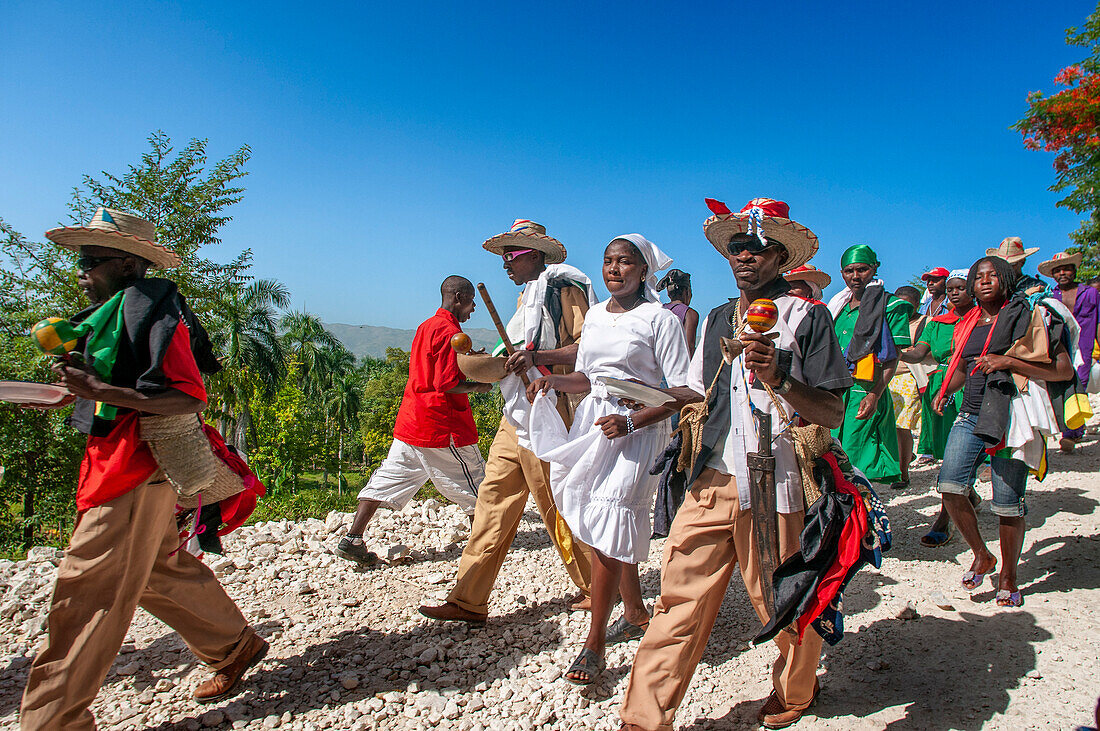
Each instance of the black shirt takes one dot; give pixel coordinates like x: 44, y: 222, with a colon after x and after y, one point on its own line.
x: 974, y: 390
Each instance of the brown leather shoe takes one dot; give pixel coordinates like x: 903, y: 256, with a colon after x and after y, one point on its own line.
x: 225, y: 680
x: 774, y: 715
x: 451, y: 612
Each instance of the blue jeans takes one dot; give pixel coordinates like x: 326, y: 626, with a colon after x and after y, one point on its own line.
x: 961, y: 457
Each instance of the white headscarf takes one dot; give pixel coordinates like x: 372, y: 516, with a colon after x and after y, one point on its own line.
x: 959, y: 274
x: 655, y: 260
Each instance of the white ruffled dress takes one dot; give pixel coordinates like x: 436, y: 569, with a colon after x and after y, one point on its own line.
x: 602, y: 487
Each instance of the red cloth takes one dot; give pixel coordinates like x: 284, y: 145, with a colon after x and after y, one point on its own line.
x: 851, y: 545
x: 236, y: 508
x: 948, y: 318
x: 963, y: 328
x: 117, y: 463
x: 430, y: 417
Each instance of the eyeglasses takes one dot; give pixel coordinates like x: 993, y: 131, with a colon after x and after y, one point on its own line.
x: 87, y: 263
x: 753, y: 246
x: 510, y: 255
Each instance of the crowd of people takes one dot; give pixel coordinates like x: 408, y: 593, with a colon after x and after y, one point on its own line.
x: 986, y: 363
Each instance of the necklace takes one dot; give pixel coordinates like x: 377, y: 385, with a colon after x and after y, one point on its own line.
x: 616, y: 315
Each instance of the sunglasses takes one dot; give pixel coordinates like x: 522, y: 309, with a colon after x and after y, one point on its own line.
x: 87, y: 263
x: 753, y: 246
x: 510, y: 255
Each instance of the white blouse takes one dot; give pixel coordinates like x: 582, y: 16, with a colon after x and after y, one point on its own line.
x: 646, y: 343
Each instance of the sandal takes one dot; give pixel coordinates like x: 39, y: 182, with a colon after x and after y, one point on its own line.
x: 935, y: 538
x: 588, y: 663
x: 899, y: 485
x: 971, y: 580
x: 624, y: 631
x: 1006, y: 598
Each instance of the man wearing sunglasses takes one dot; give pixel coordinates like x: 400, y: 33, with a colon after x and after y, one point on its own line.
x: 145, y: 355
x: 800, y: 361
x: 544, y: 332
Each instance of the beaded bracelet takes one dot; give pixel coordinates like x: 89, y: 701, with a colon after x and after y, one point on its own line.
x: 629, y: 424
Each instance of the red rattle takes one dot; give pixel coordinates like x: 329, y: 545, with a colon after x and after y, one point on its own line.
x: 762, y: 315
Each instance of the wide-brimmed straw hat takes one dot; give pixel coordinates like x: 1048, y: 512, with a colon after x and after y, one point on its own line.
x: 809, y: 273
x: 1060, y: 259
x: 773, y: 216
x: 526, y: 234
x: 116, y: 230
x: 1011, y: 250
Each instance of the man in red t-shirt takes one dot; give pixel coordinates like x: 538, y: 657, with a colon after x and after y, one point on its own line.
x: 434, y: 437
x: 124, y: 549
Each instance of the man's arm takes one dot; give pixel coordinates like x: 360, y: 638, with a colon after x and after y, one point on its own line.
x: 815, y: 405
x: 574, y: 306
x: 88, y: 385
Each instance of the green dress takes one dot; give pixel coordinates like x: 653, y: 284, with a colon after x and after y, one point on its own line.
x: 933, y: 427
x: 872, y: 443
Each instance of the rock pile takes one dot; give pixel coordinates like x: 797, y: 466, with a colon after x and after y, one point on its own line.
x: 350, y: 651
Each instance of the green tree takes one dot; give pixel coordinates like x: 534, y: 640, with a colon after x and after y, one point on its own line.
x: 245, y: 334
x: 343, y: 404
x: 187, y: 201
x: 381, y: 400
x: 1068, y: 124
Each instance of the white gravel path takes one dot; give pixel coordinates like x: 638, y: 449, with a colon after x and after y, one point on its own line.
x: 349, y: 650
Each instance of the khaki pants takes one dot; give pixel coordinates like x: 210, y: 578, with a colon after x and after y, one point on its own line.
x: 710, y: 534
x: 511, y: 473
x: 117, y: 559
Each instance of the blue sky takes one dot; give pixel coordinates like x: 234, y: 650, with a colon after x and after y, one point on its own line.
x: 389, y: 140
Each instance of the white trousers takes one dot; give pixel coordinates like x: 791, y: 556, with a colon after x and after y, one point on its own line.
x: 455, y: 471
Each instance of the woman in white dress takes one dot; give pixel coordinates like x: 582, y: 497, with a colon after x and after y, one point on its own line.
x: 600, y: 467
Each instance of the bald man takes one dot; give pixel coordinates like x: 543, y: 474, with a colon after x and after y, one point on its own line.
x: 434, y: 437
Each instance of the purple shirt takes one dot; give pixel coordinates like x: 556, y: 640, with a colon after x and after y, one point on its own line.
x: 679, y: 309
x: 1086, y: 310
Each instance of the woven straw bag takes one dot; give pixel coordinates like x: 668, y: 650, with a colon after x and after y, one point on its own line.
x: 183, y: 451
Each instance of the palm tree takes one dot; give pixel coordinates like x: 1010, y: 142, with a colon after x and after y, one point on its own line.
x: 309, y: 343
x: 246, y: 335
x: 343, y: 404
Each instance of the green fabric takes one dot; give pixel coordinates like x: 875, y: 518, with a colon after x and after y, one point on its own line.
x: 933, y: 427
x: 104, y: 327
x: 872, y: 443
x: 858, y: 254
x: 898, y: 314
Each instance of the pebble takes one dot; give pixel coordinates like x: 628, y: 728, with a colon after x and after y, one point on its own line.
x: 350, y: 651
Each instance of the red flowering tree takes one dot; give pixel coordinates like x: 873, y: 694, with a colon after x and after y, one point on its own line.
x: 1068, y: 123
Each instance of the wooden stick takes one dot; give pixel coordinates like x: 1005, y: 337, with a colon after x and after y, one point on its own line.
x: 500, y: 328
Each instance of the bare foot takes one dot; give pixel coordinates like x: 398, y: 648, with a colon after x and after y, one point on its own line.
x: 581, y: 603
x: 984, y: 563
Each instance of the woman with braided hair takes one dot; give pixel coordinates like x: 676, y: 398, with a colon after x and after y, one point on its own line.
x: 984, y: 365
x: 678, y: 284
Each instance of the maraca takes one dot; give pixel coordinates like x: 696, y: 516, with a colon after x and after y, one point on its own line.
x: 461, y: 343
x: 762, y: 315
x: 55, y: 336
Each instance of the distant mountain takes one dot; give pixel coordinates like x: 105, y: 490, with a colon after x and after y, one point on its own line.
x: 373, y: 340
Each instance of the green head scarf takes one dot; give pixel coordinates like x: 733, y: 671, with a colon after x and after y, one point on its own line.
x: 858, y: 254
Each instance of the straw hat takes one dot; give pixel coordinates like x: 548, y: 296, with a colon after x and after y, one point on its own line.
x: 1060, y: 259
x: 811, y: 274
x: 116, y: 230
x: 526, y: 234
x: 1011, y: 250
x: 799, y: 241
